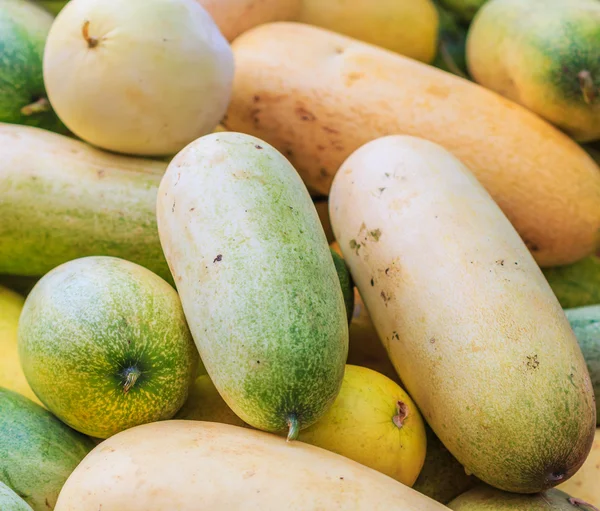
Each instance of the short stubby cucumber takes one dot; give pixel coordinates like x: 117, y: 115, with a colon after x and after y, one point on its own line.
x: 24, y: 27
x: 256, y: 279
x: 585, y: 322
x: 37, y: 451
x: 544, y: 55
x: 105, y: 346
x: 63, y: 199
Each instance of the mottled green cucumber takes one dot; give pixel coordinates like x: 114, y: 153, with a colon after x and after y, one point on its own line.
x: 62, y: 199
x: 585, y: 322
x: 346, y: 282
x: 37, y: 451
x: 105, y: 346
x: 256, y: 279
x: 10, y: 501
x: 24, y: 27
x: 576, y: 285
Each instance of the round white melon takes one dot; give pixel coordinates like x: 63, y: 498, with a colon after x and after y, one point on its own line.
x: 142, y: 77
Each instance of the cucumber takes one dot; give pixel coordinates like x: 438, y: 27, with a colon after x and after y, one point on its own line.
x: 37, y: 451
x: 10, y: 501
x: 24, y: 27
x: 63, y: 199
x: 576, y: 285
x: 105, y: 346
x: 346, y: 282
x: 256, y: 279
x: 585, y: 322
x: 452, y: 43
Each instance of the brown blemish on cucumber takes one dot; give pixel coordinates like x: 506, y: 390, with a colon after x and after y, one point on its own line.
x: 354, y: 246
x: 375, y: 234
x: 91, y: 41
x: 401, y: 414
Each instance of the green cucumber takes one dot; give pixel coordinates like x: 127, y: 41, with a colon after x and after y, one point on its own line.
x: 452, y: 43
x: 346, y: 282
x: 256, y: 278
x: 62, y: 199
x: 10, y: 501
x: 576, y: 285
x: 105, y: 346
x: 24, y: 27
x: 585, y: 322
x: 37, y: 451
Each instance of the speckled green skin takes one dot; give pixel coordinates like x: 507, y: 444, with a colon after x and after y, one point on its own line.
x: 346, y: 282
x: 37, y: 451
x: 536, y: 51
x: 486, y: 498
x: 24, y: 27
x: 576, y: 285
x: 10, y: 501
x: 62, y: 199
x: 585, y: 322
x: 90, y: 321
x: 442, y: 477
x: 465, y: 9
x: 256, y: 279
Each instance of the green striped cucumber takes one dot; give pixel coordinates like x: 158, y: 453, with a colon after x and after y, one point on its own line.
x: 37, y: 451
x: 256, y: 278
x: 10, y: 501
x: 24, y: 27
x: 585, y: 322
x: 105, y: 346
x: 63, y: 199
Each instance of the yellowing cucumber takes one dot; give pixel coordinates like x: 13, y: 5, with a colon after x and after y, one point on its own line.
x: 471, y: 324
x: 317, y: 96
x: 193, y: 466
x: 256, y: 279
x: 62, y: 199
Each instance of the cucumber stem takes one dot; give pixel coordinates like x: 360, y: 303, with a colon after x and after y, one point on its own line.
x: 131, y: 377
x: 401, y: 415
x: 587, y: 86
x: 294, y: 427
x: 92, y: 41
x: 37, y: 107
x: 579, y: 503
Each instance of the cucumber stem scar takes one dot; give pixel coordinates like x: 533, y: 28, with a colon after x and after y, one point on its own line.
x: 131, y: 377
x: 294, y: 427
x: 92, y: 41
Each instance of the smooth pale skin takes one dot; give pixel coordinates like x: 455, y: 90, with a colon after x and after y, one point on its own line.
x: 317, y: 96
x: 196, y: 466
x: 485, y: 498
x: 150, y: 77
x: 256, y: 279
x: 10, y: 501
x: 62, y: 199
x: 11, y: 374
x: 585, y: 484
x: 470, y: 323
x: 408, y: 27
x: 105, y: 346
x: 533, y: 53
x: 361, y: 426
x: 234, y: 17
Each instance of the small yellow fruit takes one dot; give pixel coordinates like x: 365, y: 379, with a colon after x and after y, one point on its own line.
x: 204, y: 403
x: 11, y: 374
x: 408, y: 27
x: 374, y: 422
x: 585, y: 484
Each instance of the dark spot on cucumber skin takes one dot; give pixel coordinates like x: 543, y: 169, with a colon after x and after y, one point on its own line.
x: 49, y: 506
x: 372, y: 282
x: 173, y: 207
x: 432, y: 340
x: 354, y: 246
x: 500, y: 262
x: 304, y: 114
x: 375, y: 234
x: 218, y: 259
x: 192, y: 209
x: 532, y: 362
x: 532, y: 246
x: 333, y: 131
x: 258, y: 146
